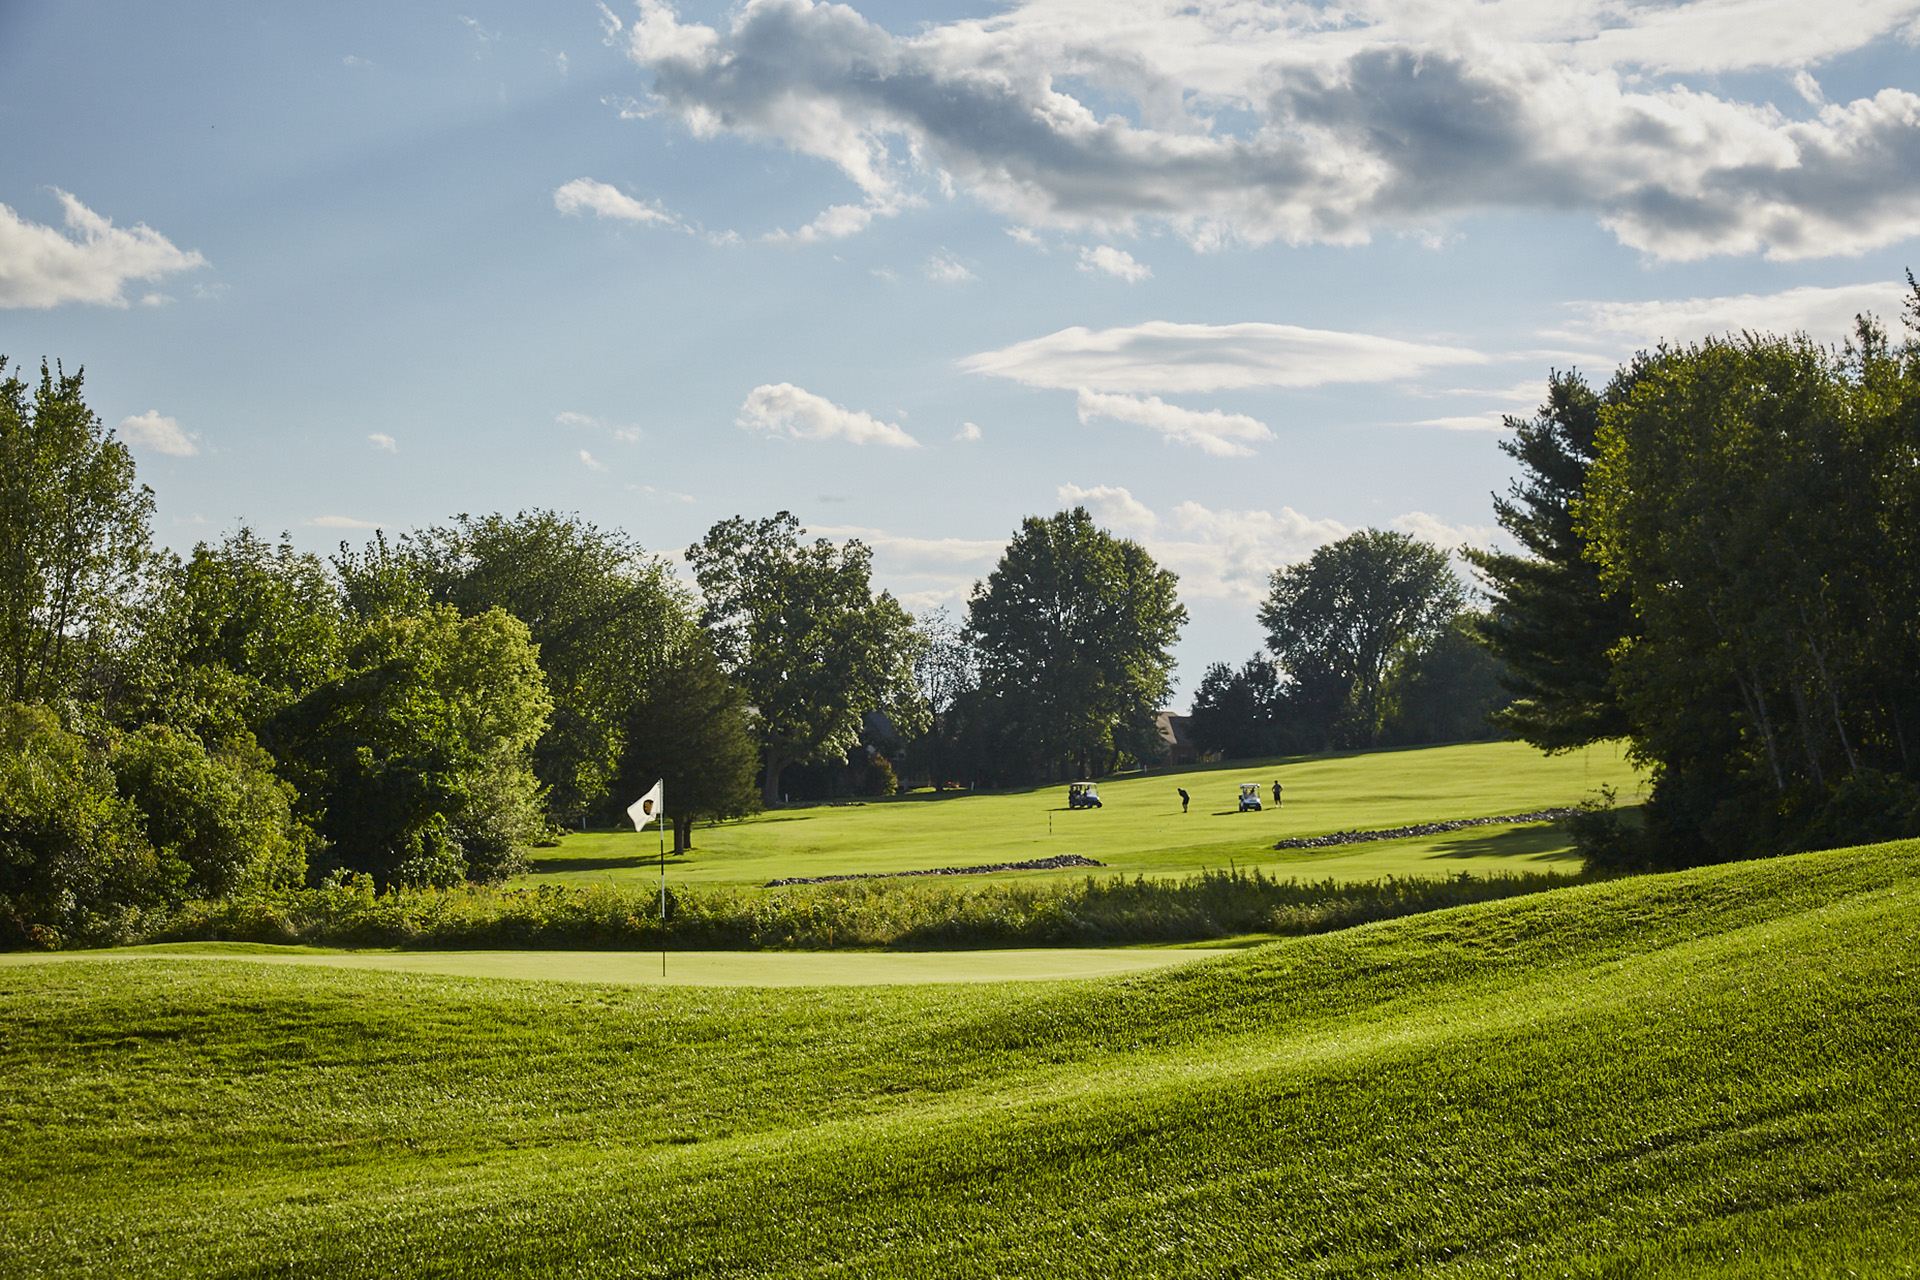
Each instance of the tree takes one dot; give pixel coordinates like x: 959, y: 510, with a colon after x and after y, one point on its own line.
x: 414, y: 764
x: 1552, y: 621
x: 1238, y: 713
x: 943, y: 673
x: 233, y: 635
x: 73, y: 534
x: 1750, y: 498
x: 1337, y: 621
x: 1448, y: 690
x: 72, y: 857
x: 603, y: 612
x: 800, y: 630
x: 690, y: 728
x: 1074, y: 631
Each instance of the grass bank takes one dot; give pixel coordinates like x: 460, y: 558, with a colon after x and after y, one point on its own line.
x: 1709, y: 1073
x: 1091, y: 911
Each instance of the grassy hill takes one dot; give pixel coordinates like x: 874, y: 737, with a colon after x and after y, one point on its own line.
x: 1140, y: 830
x: 1710, y: 1073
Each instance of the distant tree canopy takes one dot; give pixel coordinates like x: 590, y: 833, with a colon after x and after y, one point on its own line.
x: 1340, y: 620
x: 1073, y: 633
x: 798, y: 627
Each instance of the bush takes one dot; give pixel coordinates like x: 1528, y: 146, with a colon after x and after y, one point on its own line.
x: 224, y: 815
x: 74, y: 866
x: 1607, y: 843
x: 879, y: 779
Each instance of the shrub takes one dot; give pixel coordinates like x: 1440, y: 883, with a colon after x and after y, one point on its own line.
x: 879, y: 779
x: 74, y: 866
x: 224, y: 815
x: 1607, y: 844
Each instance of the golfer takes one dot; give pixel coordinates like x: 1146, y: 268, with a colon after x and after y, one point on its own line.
x: 1184, y: 797
x: 1276, y: 794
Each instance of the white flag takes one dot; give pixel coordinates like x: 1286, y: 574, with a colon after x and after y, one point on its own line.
x: 647, y: 808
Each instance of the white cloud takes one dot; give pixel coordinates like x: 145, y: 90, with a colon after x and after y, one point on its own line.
x: 381, y: 440
x: 150, y: 430
x: 1221, y: 434
x: 1114, y: 262
x: 1226, y: 121
x: 947, y: 269
x: 1161, y: 356
x: 591, y: 463
x: 341, y: 522
x: 1450, y: 537
x: 1219, y: 554
x: 584, y: 195
x: 1826, y: 314
x: 782, y: 409
x: 924, y: 572
x: 92, y: 262
x: 967, y: 431
x: 835, y: 223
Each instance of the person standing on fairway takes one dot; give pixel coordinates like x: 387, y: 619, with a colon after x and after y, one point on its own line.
x: 1183, y: 798
x: 1276, y: 793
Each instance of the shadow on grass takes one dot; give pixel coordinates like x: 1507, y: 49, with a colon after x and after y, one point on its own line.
x: 629, y: 862
x: 1516, y: 842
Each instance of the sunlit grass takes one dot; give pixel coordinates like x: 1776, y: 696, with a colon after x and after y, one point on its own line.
x: 1141, y: 830
x: 1707, y: 1073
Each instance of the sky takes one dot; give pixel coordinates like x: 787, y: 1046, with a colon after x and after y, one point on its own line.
x: 1239, y: 277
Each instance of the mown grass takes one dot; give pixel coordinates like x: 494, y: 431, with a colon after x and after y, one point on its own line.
x: 1706, y: 1073
x: 909, y: 913
x: 1141, y: 831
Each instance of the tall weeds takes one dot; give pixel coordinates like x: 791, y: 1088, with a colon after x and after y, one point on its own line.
x: 872, y: 913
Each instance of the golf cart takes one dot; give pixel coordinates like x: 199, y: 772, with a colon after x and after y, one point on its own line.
x: 1249, y: 796
x: 1082, y: 795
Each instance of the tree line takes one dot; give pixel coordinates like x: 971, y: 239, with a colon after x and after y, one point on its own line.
x: 1721, y: 565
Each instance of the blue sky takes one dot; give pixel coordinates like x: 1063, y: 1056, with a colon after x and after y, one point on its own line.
x: 1238, y: 276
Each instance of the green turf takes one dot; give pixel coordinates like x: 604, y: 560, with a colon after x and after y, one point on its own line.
x: 1711, y: 1073
x: 1140, y: 829
x: 683, y: 968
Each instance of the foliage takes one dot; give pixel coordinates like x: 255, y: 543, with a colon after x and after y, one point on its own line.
x: 74, y: 866
x: 1757, y: 500
x: 1239, y: 714
x: 868, y: 913
x: 1338, y: 621
x: 879, y: 778
x: 1073, y: 633
x: 690, y: 729
x: 73, y: 535
x: 605, y: 615
x: 1553, y: 622
x: 234, y: 635
x: 1707, y: 1074
x: 799, y: 629
x: 224, y: 815
x: 414, y: 764
x: 1448, y: 690
x: 943, y: 674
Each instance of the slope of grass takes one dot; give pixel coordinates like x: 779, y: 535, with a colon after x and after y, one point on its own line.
x: 1140, y: 829
x: 1711, y: 1073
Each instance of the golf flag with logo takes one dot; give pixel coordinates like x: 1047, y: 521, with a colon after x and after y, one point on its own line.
x: 647, y: 808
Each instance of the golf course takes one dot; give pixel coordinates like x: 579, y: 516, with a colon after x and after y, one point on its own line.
x: 1140, y: 829
x: 1711, y: 1072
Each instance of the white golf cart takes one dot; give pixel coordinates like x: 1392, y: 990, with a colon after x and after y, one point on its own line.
x: 1249, y: 796
x: 1083, y: 795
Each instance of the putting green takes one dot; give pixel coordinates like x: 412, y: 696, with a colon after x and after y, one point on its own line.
x: 1141, y: 830
x: 684, y: 968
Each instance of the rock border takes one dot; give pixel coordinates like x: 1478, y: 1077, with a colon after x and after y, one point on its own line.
x: 1422, y: 829
x: 1059, y: 863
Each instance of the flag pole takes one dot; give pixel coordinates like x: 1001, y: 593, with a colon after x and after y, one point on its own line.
x: 663, y: 884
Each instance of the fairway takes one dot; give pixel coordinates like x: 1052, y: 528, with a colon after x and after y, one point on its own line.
x: 1712, y: 1073
x: 683, y: 968
x: 1140, y: 829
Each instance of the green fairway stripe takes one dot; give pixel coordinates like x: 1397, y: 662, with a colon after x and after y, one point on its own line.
x: 692, y: 968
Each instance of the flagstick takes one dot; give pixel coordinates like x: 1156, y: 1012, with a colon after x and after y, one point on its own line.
x: 663, y: 893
